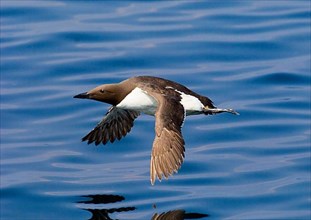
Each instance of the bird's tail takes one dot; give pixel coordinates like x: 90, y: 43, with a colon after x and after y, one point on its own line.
x: 214, y: 111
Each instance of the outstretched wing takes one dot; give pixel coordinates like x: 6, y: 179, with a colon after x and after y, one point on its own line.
x: 168, y: 149
x: 115, y: 125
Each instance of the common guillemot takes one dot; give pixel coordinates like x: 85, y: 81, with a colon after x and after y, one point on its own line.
x: 168, y: 101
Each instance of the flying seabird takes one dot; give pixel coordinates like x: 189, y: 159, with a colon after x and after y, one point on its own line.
x: 168, y: 101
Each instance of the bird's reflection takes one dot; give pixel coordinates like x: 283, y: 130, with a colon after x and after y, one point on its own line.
x: 104, y: 214
x: 177, y: 215
x: 102, y: 199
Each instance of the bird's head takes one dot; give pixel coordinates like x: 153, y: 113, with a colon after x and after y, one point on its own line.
x: 104, y: 93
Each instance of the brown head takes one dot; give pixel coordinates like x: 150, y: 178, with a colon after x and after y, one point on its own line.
x: 108, y: 93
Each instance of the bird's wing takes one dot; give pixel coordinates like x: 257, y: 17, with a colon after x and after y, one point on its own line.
x: 168, y: 146
x: 115, y: 125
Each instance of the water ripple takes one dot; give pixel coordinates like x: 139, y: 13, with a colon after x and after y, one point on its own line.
x: 250, y: 56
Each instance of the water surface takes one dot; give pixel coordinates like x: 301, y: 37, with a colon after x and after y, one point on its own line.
x: 250, y: 56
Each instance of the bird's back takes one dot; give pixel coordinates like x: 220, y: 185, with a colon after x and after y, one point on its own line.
x: 164, y: 86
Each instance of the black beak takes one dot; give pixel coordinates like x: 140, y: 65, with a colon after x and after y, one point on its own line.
x: 82, y: 96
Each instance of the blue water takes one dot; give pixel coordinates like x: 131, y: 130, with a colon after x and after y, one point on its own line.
x: 253, y: 56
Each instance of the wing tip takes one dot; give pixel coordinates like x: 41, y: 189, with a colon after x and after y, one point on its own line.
x: 152, y: 181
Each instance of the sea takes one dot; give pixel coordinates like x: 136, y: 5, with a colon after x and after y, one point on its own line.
x: 251, y: 56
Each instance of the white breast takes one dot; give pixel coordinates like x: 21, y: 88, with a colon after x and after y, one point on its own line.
x: 139, y: 100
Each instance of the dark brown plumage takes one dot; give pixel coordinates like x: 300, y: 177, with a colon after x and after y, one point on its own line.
x: 115, y: 125
x: 156, y: 96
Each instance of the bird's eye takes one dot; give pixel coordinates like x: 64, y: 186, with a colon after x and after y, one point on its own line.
x: 102, y: 91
